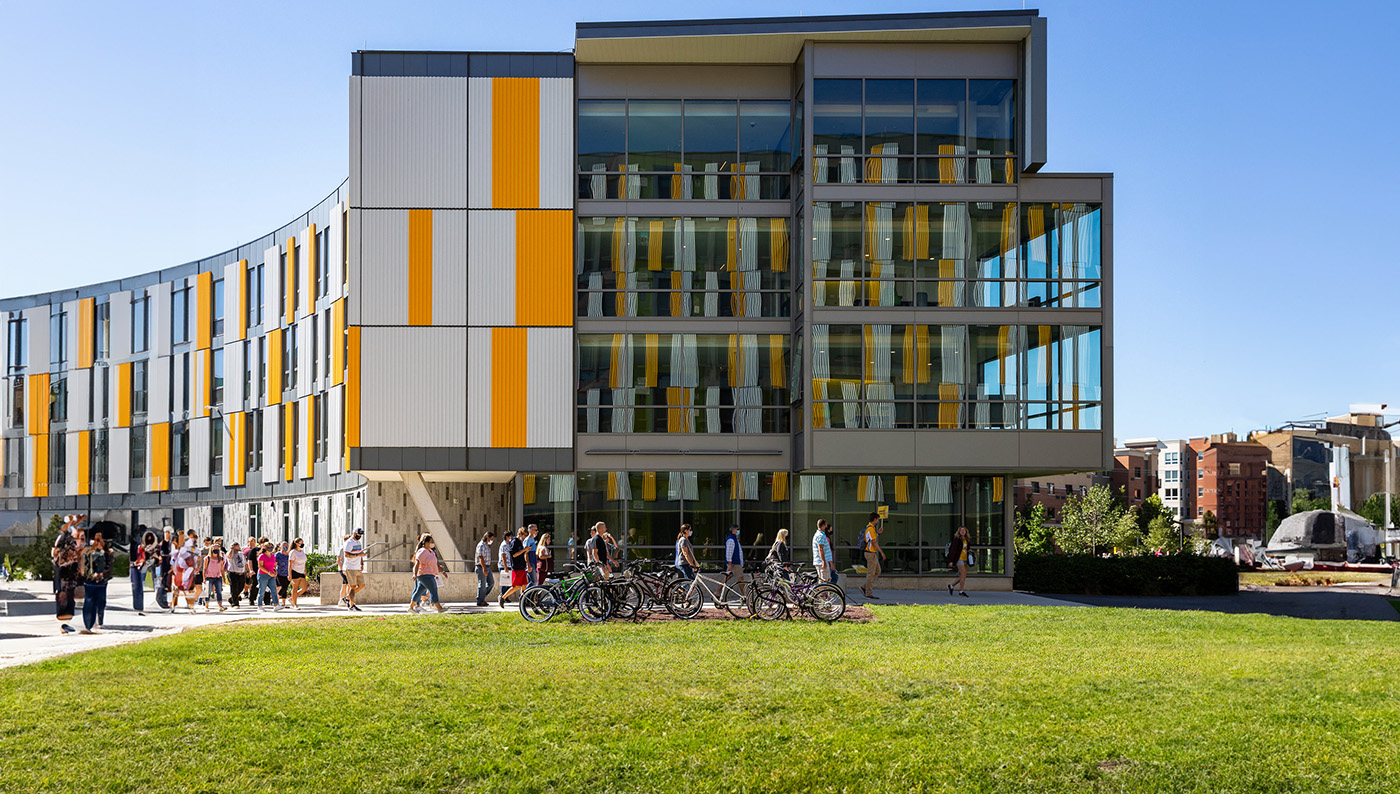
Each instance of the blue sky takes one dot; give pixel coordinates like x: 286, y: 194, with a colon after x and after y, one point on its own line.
x: 1251, y: 144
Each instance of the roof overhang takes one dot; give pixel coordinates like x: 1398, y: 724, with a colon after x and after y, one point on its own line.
x: 779, y: 40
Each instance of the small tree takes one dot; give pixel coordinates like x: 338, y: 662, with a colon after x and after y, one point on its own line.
x: 1152, y: 508
x: 1088, y: 521
x: 1032, y: 534
x: 1373, y: 509
x: 1127, y: 536
x: 1303, y: 501
x: 1163, y: 535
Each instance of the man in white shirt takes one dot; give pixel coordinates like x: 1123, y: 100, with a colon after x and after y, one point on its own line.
x: 353, y: 566
x: 483, y: 568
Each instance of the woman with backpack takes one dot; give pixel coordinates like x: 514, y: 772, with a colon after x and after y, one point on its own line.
x: 96, y: 572
x: 959, y: 554
x: 237, y: 567
x: 780, y: 552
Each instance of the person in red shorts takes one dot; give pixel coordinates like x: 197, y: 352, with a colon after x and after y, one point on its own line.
x: 518, y: 579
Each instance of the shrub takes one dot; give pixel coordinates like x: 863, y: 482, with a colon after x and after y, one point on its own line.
x: 32, y: 560
x: 1083, y: 574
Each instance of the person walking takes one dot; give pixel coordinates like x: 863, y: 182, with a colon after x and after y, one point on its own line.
x: 425, y: 573
x: 296, y: 569
x: 267, y: 578
x: 483, y: 568
x: 199, y: 571
x: 870, y: 543
x: 284, y: 579
x: 685, y: 552
x: 182, y: 578
x: 503, y: 560
x: 517, y: 567
x: 237, y: 574
x: 67, y: 558
x: 144, y: 557
x: 821, y: 552
x: 96, y: 573
x: 602, y: 549
x: 354, y: 567
x: 781, y: 553
x: 214, y: 566
x: 532, y: 560
x: 734, y: 557
x: 545, y: 555
x: 958, y: 553
x: 163, y: 571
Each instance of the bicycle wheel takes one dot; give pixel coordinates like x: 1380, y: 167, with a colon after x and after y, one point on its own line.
x: 593, y: 604
x: 685, y: 599
x: 538, y: 604
x: 626, y: 600
x: 769, y: 603
x: 827, y: 602
x: 735, y: 603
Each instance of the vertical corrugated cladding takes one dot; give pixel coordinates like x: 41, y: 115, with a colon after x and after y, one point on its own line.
x: 120, y: 306
x: 556, y: 143
x: 352, y: 390
x: 335, y: 430
x: 416, y: 398
x: 80, y: 452
x: 479, y: 387
x: 308, y: 278
x: 420, y: 267
x: 234, y: 366
x: 515, y: 141
x: 479, y: 142
x: 411, y: 151
x: 383, y: 290
x: 272, y: 287
x: 449, y: 267
x: 337, y: 342
x: 544, y: 267
x: 308, y: 437
x: 549, y: 410
x: 204, y: 310
x: 335, y: 250
x: 37, y: 450
x: 119, y: 461
x: 199, y: 453
x: 236, y: 300
x: 158, y: 468
x: 289, y: 440
x: 305, y: 353
x: 290, y: 275
x: 356, y: 115
x: 86, y: 308
x: 272, y: 449
x: 510, y: 385
x: 491, y: 258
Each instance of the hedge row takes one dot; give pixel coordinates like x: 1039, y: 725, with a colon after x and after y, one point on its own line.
x: 1085, y: 574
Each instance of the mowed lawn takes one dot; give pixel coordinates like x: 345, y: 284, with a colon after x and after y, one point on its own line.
x: 1015, y: 699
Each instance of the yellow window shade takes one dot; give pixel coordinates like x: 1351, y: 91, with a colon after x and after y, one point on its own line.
x: 527, y: 486
x: 778, y: 244
x: 948, y: 394
x: 656, y: 235
x: 649, y: 486
x: 509, y: 350
x: 612, y: 486
x: 678, y: 400
x: 420, y: 267
x: 653, y: 359
x: 732, y: 248
x: 948, y: 166
x: 515, y: 142
x: 733, y: 360
x: 1003, y: 348
x: 86, y: 307
x: 203, y: 311
x: 777, y: 361
x: 780, y: 486
x: 901, y: 489
x: 678, y: 180
x: 819, y: 416
x: 947, y: 290
x: 677, y: 295
x: 996, y: 489
x: 617, y: 352
x: 619, y: 245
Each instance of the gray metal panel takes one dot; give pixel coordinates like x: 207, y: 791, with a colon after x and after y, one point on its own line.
x: 79, y: 382
x: 199, y: 452
x: 690, y: 452
x: 413, y: 144
x: 306, y: 462
x: 158, y: 314
x: 233, y: 377
x: 273, y: 309
x: 70, y: 446
x: 232, y: 275
x: 415, y: 397
x: 1107, y: 364
x: 1063, y: 187
x: 306, y: 271
x: 941, y: 20
x: 491, y: 268
x: 120, y: 325
x: 354, y: 289
x: 557, y: 143
x: 37, y: 320
x: 549, y: 391
x: 997, y: 59
x: 158, y: 389
x: 119, y: 460
x: 479, y: 387
x: 1034, y: 100
x: 1071, y: 450
x: 666, y: 81
x: 914, y: 193
x: 449, y: 267
x: 272, y: 450
x: 479, y: 142
x: 383, y: 286
x: 690, y: 209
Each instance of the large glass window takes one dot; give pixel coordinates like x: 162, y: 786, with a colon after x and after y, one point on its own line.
x: 180, y: 315
x: 102, y: 330
x: 683, y: 267
x: 137, y: 458
x: 138, y: 388
x: 956, y: 254
x: 943, y: 131
x: 683, y: 383
x: 58, y: 337
x: 140, y: 324
x: 957, y: 377
x: 17, y: 344
x: 683, y: 149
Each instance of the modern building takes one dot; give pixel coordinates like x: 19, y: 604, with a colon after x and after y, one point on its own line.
x: 1230, y: 485
x: 741, y: 271
x: 1136, y: 470
x: 1345, y: 458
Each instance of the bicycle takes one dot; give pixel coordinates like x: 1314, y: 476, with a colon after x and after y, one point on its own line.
x: 687, y: 597
x: 822, y: 600
x: 581, y: 592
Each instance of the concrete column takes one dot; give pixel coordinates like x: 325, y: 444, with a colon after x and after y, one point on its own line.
x: 428, y: 511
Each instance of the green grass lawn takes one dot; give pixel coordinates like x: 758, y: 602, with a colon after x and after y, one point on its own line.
x: 1010, y: 699
x: 1312, y: 578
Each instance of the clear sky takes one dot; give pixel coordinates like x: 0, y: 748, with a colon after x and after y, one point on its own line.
x: 1252, y: 142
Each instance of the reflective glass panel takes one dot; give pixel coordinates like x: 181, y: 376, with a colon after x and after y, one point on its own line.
x: 711, y: 135
x: 836, y: 117
x: 653, y: 136
x: 993, y: 116
x: 940, y: 108
x: 889, y: 117
x: 765, y: 135
x: 836, y: 240
x: 654, y: 512
x: 602, y: 134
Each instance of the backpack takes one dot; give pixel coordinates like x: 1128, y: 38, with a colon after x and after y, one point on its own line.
x: 97, y: 565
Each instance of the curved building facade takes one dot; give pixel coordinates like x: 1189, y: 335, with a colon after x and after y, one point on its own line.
x: 732, y: 271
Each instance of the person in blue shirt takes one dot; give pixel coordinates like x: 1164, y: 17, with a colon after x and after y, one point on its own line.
x: 532, y: 559
x: 821, y: 552
x: 734, y: 557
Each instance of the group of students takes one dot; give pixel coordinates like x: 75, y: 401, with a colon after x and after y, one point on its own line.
x: 260, y: 572
x: 524, y: 559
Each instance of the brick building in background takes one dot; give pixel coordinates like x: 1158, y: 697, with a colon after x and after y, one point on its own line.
x: 1053, y: 490
x: 1231, y: 484
x: 1136, y: 470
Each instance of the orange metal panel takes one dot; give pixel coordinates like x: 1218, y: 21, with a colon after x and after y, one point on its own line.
x: 274, y: 366
x: 289, y: 440
x: 508, y: 386
x: 352, y: 396
x: 309, y: 299
x: 84, y: 470
x: 41, y: 465
x: 544, y: 268
x: 337, y: 342
x: 204, y: 311
x: 158, y: 467
x: 515, y: 142
x: 86, y: 308
x: 420, y: 267
x: 37, y: 394
x: 241, y: 321
x: 289, y: 278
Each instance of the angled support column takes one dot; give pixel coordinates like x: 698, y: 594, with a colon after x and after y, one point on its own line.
x: 418, y: 492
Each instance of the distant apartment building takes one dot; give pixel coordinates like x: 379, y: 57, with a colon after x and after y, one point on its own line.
x: 1230, y: 484
x: 1341, y: 457
x: 1175, y: 472
x: 1054, y: 490
x: 1135, y: 470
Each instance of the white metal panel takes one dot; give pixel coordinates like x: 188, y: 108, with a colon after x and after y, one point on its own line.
x: 549, y: 377
x: 178, y: 406
x: 335, y: 249
x: 119, y: 319
x: 79, y: 398
x: 479, y: 142
x: 413, y: 387
x: 355, y: 288
x: 306, y: 460
x: 479, y: 387
x: 356, y: 113
x: 119, y: 460
x: 383, y: 284
x: 272, y: 288
x: 307, y: 272
x: 303, y: 362
x: 37, y: 319
x: 199, y: 452
x: 335, y: 429
x: 449, y: 267
x: 29, y: 469
x: 158, y: 389
x: 491, y: 267
x: 158, y: 315
x: 556, y: 143
x: 233, y: 287
x: 272, y: 449
x: 412, y: 146
x: 233, y: 377
x: 70, y: 446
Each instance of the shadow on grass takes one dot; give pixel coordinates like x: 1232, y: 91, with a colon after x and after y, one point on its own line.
x: 1307, y: 604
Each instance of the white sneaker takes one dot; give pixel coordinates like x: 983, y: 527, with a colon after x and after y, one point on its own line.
x: 260, y: 609
x: 278, y: 608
